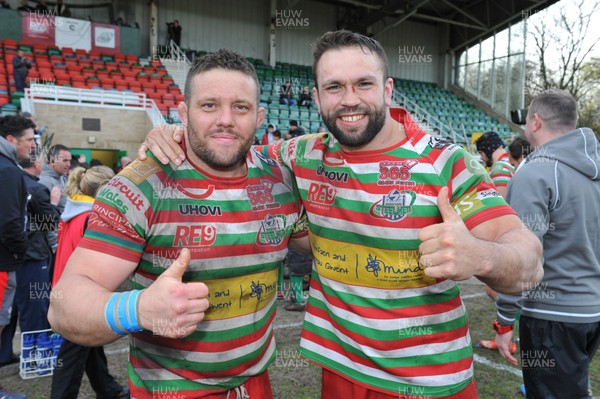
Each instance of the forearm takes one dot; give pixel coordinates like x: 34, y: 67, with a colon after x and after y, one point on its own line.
x: 77, y: 311
x: 513, y: 263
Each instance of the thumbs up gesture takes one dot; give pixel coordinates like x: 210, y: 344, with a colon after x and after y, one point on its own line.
x: 171, y: 308
x: 447, y: 248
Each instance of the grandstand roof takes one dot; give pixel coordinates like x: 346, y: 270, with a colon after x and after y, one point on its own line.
x: 467, y: 20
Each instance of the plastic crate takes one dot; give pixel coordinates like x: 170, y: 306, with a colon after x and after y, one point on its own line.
x: 39, y: 351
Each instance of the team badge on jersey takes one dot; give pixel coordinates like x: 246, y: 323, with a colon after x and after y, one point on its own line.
x: 272, y: 230
x: 394, y: 206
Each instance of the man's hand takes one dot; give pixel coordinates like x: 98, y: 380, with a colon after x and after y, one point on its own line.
x: 171, y: 308
x: 448, y: 249
x: 504, y: 344
x: 55, y: 195
x: 164, y: 142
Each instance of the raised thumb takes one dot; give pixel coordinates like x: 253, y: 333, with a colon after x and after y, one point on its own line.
x: 446, y: 210
x: 179, y: 265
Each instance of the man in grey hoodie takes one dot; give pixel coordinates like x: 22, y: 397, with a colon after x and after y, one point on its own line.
x: 557, y: 195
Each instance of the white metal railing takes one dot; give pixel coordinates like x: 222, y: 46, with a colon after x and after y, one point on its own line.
x: 99, y: 98
x: 421, y: 113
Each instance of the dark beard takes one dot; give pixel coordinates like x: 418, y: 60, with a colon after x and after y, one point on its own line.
x: 213, y: 158
x: 374, y: 126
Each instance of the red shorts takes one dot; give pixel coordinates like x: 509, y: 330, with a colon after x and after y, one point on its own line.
x: 4, y: 298
x: 337, y: 387
x: 258, y: 387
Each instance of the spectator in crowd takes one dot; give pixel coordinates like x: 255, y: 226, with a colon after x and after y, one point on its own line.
x: 4, y: 4
x: 62, y: 10
x: 286, y: 95
x: 321, y: 129
x: 491, y: 148
x: 123, y: 162
x: 55, y: 171
x: 277, y: 137
x: 518, y: 150
x: 21, y: 66
x: 33, y: 277
x: 174, y: 30
x: 24, y: 6
x: 235, y: 256
x: 267, y: 138
x: 41, y: 7
x: 376, y: 261
x: 295, y: 130
x: 306, y: 98
x: 95, y: 162
x: 557, y: 195
x: 16, y: 143
x: 81, y: 188
x: 55, y: 174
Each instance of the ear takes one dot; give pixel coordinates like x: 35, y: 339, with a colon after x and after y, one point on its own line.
x: 389, y: 90
x: 261, y: 116
x: 182, y: 110
x: 11, y: 139
x: 317, y: 99
x: 537, y: 122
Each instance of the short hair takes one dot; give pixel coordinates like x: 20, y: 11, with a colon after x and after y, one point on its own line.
x: 87, y: 182
x: 55, y: 150
x: 340, y: 39
x: 557, y: 108
x: 15, y: 125
x: 222, y: 59
x: 519, y: 147
x: 36, y: 155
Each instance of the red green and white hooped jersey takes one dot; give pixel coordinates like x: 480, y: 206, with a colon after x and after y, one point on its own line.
x: 237, y: 230
x: 502, y: 171
x: 373, y: 316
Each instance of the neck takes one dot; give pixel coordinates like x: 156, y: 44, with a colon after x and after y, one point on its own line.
x: 499, y: 153
x: 238, y: 170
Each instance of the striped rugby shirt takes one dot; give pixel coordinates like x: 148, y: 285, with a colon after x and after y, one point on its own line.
x: 373, y: 316
x: 237, y: 230
x: 502, y: 171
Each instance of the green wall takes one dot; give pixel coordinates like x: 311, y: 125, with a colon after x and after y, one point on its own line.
x: 10, y: 24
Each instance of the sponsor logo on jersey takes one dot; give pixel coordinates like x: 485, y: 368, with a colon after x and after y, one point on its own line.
x: 138, y: 171
x: 261, y: 196
x: 121, y: 196
x: 396, y: 173
x: 263, y: 158
x: 438, y: 143
x: 394, y: 206
x: 197, y: 209
x: 198, y: 235
x: 332, y: 175
x: 321, y: 194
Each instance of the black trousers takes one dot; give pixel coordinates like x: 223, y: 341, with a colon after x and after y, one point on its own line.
x: 555, y: 357
x: 73, y: 360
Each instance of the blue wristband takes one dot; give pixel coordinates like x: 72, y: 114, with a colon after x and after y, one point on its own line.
x: 124, y: 304
x: 109, y: 313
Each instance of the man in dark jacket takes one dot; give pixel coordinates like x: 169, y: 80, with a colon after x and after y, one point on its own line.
x: 32, y: 297
x: 16, y: 143
x: 21, y: 66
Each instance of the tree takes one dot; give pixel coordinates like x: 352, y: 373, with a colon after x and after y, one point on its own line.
x: 589, y: 110
x: 562, y: 46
